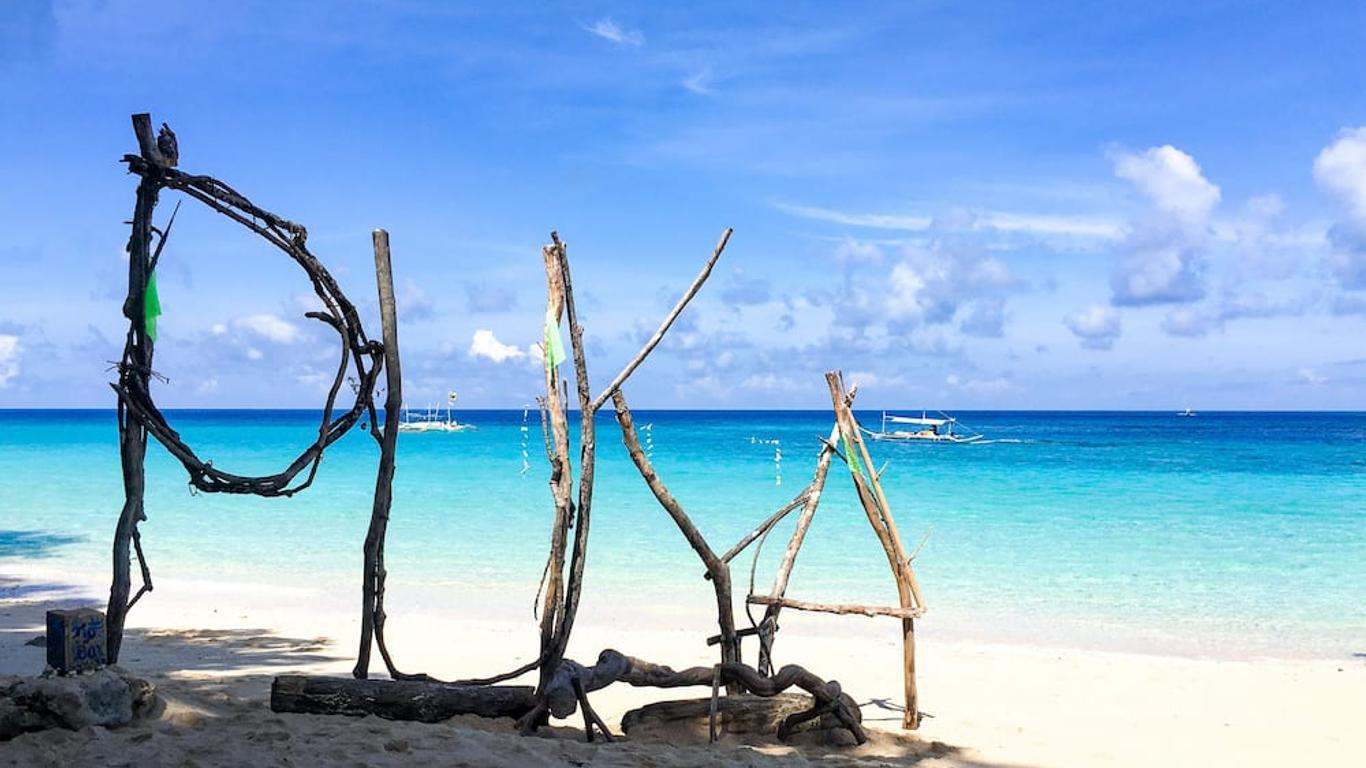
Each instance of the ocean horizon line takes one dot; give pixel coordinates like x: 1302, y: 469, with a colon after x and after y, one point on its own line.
x: 640, y: 409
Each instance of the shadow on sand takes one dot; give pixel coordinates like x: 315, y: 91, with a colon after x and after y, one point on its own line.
x: 214, y: 688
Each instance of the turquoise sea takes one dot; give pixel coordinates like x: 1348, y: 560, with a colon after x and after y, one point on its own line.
x: 1227, y: 534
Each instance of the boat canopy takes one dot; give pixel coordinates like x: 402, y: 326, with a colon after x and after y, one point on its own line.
x: 917, y: 420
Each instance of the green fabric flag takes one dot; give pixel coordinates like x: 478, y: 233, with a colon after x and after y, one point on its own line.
x: 151, y: 307
x: 852, y: 458
x: 554, y: 344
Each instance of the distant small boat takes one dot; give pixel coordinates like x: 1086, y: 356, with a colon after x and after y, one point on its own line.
x: 1187, y: 412
x: 931, y: 430
x: 432, y: 420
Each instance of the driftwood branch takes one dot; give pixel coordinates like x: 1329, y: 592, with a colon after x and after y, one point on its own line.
x: 613, y: 666
x: 559, y: 605
x: 763, y: 528
x: 794, y: 545
x: 841, y: 608
x: 375, y: 575
x: 879, y: 514
x: 717, y: 569
x: 138, y: 415
x: 664, y: 326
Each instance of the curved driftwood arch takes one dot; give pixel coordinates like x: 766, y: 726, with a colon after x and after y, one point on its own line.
x: 138, y: 415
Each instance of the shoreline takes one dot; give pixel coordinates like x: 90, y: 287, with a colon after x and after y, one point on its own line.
x: 988, y: 703
x: 691, y: 611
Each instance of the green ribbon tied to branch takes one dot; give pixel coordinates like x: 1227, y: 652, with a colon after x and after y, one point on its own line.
x: 851, y: 457
x: 151, y: 308
x: 554, y: 343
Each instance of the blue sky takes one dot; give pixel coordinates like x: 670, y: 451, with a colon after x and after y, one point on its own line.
x: 961, y: 205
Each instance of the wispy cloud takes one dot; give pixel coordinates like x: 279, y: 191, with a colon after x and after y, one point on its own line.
x: 609, y: 30
x: 699, y: 82
x: 1003, y: 221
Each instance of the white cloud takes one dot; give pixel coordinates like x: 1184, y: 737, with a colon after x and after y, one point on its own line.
x: 1001, y: 221
x: 9, y: 358
x: 609, y: 30
x: 931, y: 285
x: 1341, y: 170
x: 266, y: 326
x: 1166, y: 274
x: 1310, y: 376
x: 699, y: 82
x: 486, y: 345
x: 1163, y: 264
x: 1097, y: 326
x: 1171, y: 179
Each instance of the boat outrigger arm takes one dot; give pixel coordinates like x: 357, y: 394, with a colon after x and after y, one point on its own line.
x: 932, y: 430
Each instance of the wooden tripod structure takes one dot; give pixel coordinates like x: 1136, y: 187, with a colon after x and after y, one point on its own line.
x: 846, y: 442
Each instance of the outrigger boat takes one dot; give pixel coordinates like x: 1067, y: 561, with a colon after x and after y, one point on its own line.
x: 432, y: 421
x: 930, y: 430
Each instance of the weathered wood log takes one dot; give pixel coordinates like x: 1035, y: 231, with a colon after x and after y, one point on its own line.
x: 614, y: 666
x: 737, y: 715
x: 397, y: 699
x: 840, y: 608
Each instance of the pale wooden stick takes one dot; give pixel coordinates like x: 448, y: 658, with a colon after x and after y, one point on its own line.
x: 664, y: 326
x: 717, y: 569
x: 773, y: 520
x: 882, y: 525
x: 813, y: 498
x: 840, y: 608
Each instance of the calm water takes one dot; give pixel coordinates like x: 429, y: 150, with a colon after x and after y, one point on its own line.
x: 1228, y: 533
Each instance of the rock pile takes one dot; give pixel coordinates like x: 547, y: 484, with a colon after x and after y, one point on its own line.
x: 110, y: 697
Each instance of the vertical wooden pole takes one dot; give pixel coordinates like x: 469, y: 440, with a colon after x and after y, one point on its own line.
x: 372, y: 588
x: 134, y: 372
x: 794, y: 544
x: 879, y: 517
x: 561, y: 489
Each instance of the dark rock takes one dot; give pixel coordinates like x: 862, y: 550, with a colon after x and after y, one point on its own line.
x: 38, y: 642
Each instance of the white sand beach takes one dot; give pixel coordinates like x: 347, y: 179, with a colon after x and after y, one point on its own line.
x: 212, y: 650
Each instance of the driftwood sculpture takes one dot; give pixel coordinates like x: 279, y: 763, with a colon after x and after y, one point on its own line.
x: 138, y: 416
x: 868, y: 486
x: 563, y: 685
